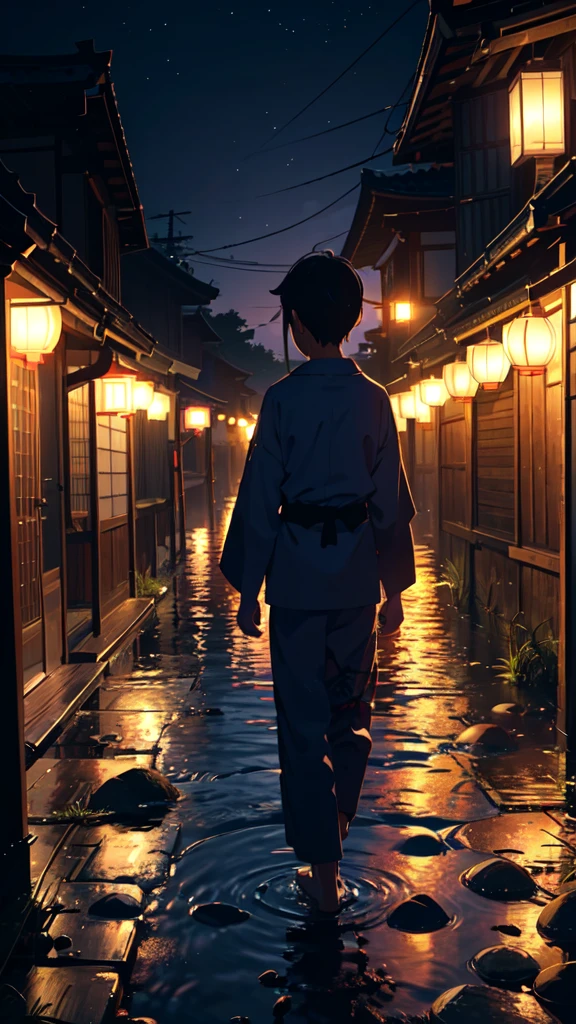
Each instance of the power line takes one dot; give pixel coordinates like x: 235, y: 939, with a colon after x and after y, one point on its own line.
x: 231, y: 266
x: 331, y: 239
x: 280, y: 231
x: 342, y: 73
x: 326, y: 131
x: 332, y: 174
x: 232, y: 261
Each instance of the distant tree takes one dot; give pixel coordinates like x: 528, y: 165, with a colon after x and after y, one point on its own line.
x: 238, y: 348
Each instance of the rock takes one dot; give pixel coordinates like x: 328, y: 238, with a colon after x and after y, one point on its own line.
x: 499, y: 879
x: 505, y: 965
x: 282, y: 1006
x: 135, y: 794
x: 218, y: 915
x: 62, y: 942
x: 270, y: 979
x: 557, y: 920
x: 507, y: 929
x: 419, y: 914
x: 555, y: 986
x: 43, y: 943
x: 419, y: 842
x: 117, y: 907
x: 485, y: 738
x: 477, y: 1005
x: 110, y: 737
x: 507, y: 709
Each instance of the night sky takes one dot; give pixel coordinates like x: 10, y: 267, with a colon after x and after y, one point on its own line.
x: 200, y: 87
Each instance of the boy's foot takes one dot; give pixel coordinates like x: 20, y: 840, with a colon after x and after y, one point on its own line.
x: 327, y: 897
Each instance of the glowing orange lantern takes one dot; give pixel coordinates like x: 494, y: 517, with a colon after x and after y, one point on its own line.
x: 221, y: 417
x: 231, y: 421
x: 488, y: 364
x: 115, y: 394
x: 35, y: 328
x: 536, y: 114
x: 423, y: 414
x: 142, y: 395
x: 460, y: 383
x: 250, y: 430
x: 160, y: 406
x: 400, y: 421
x: 433, y: 392
x: 196, y: 417
x: 530, y: 342
x: 242, y: 422
x: 401, y: 312
x: 407, y: 405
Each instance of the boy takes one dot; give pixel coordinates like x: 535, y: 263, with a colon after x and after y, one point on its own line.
x: 323, y: 513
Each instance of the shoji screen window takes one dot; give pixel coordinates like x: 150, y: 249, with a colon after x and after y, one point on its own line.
x: 112, y: 467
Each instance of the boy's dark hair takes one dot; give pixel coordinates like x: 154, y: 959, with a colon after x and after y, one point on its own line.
x: 326, y: 292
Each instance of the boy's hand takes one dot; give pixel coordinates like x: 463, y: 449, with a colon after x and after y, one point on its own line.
x: 391, y: 615
x: 248, y: 618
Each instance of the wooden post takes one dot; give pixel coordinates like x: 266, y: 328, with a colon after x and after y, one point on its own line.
x: 132, y: 557
x: 94, y: 512
x: 567, y: 652
x: 14, y: 847
x: 63, y: 486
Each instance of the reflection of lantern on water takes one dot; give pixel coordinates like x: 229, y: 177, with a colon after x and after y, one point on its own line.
x: 35, y: 329
x: 530, y: 342
x: 488, y: 364
x: 196, y: 418
x: 459, y: 382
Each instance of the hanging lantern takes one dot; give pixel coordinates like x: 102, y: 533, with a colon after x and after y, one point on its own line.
x: 400, y: 421
x: 196, y: 417
x: 142, y: 394
x: 423, y: 414
x: 401, y: 312
x: 242, y: 422
x: 35, y: 329
x: 530, y: 342
x: 460, y: 383
x: 160, y: 406
x: 488, y: 364
x: 231, y: 421
x: 221, y: 417
x: 407, y: 405
x: 433, y: 392
x: 250, y: 431
x: 536, y: 113
x: 115, y: 393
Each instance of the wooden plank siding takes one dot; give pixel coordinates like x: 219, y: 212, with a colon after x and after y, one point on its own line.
x: 453, y: 464
x: 494, y: 505
x: 540, y: 438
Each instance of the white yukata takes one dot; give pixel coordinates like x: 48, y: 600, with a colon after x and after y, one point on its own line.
x: 326, y: 437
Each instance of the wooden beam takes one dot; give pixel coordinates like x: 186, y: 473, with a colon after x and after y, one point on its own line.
x: 527, y: 36
x: 548, y: 561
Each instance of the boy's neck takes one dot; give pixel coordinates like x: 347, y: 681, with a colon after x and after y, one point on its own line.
x: 327, y: 352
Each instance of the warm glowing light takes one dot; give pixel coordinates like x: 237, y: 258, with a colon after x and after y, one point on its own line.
x: 488, y: 364
x: 250, y: 430
x: 221, y: 417
x: 160, y: 406
x: 142, y: 394
x: 407, y: 404
x: 423, y: 413
x: 115, y: 395
x: 231, y: 421
x: 530, y: 342
x: 242, y: 422
x: 400, y: 421
x: 35, y: 329
x: 536, y: 114
x: 460, y: 383
x: 401, y: 312
x: 433, y: 392
x: 196, y: 417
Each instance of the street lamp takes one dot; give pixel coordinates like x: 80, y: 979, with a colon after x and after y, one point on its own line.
x: 488, y: 364
x: 536, y: 102
x: 35, y: 329
x: 460, y: 383
x: 530, y: 342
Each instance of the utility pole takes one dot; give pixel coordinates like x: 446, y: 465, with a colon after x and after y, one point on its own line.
x: 170, y: 241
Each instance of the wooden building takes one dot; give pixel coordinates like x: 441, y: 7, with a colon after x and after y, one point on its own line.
x: 494, y: 105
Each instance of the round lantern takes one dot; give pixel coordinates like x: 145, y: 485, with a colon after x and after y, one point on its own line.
x: 530, y: 342
x: 160, y: 406
x: 196, y: 417
x: 423, y: 414
x: 231, y: 421
x: 142, y: 394
x: 407, y: 404
x: 460, y: 383
x: 400, y: 421
x: 35, y: 329
x: 250, y: 431
x: 221, y: 417
x: 433, y: 392
x: 488, y: 364
x: 242, y: 422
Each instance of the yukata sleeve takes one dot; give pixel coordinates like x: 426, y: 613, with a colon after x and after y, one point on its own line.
x: 255, y: 521
x: 391, y: 511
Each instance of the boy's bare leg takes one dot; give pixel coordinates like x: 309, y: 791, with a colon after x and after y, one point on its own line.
x: 323, y: 884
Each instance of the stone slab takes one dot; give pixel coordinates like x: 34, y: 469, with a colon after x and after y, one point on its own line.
x: 138, y: 732
x: 117, y: 853
x: 78, y: 995
x: 57, y: 784
x: 522, y: 779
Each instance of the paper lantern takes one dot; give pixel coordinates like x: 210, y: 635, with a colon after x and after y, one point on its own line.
x: 530, y: 342
x: 231, y: 421
x: 433, y: 392
x: 242, y: 422
x: 407, y: 405
x: 488, y: 364
x: 160, y: 406
x: 536, y: 114
x: 250, y: 430
x: 115, y: 394
x: 400, y: 421
x: 196, y: 417
x: 142, y: 394
x: 401, y: 312
x: 221, y: 417
x: 460, y: 383
x: 35, y: 329
x: 423, y: 414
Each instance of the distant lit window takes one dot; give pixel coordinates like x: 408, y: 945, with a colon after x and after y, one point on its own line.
x: 112, y: 467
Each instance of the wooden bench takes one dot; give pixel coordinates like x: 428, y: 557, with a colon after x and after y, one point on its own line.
x: 116, y: 628
x: 49, y: 705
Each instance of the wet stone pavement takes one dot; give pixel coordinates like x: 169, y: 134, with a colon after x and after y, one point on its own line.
x: 198, y: 705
